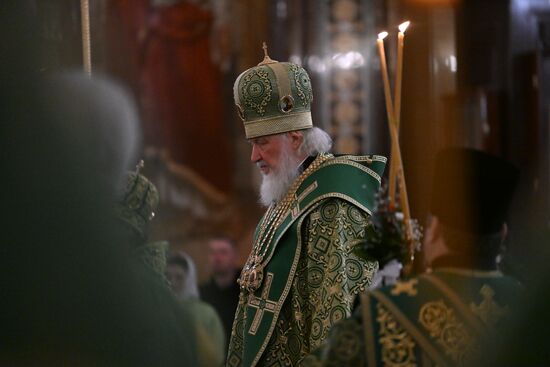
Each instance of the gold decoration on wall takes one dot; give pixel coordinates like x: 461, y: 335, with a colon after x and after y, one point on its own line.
x: 346, y: 87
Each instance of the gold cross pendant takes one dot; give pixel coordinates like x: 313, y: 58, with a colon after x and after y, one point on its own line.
x: 261, y: 304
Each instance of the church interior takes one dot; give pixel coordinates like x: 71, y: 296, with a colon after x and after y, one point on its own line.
x: 469, y: 73
x: 468, y: 80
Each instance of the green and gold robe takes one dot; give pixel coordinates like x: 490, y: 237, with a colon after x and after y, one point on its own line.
x: 312, y: 276
x: 437, y: 319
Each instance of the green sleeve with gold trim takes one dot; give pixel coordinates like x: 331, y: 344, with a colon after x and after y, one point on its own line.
x: 334, y: 274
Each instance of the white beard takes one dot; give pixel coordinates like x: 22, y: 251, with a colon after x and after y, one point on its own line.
x: 276, y: 184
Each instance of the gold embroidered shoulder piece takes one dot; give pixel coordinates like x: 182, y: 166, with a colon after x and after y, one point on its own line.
x: 443, y: 326
x: 396, y: 345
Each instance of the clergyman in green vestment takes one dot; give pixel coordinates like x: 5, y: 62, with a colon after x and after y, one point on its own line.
x: 441, y: 317
x: 301, y: 275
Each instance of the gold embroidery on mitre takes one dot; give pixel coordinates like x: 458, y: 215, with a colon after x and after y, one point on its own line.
x: 396, y: 345
x: 256, y: 90
x: 488, y: 310
x: 442, y: 324
x: 405, y: 286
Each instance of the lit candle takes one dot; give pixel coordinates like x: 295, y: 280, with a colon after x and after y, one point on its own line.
x: 394, y: 134
x: 385, y: 78
x: 404, y: 200
x: 401, y: 178
x: 394, y: 159
x: 397, y: 105
x: 399, y: 74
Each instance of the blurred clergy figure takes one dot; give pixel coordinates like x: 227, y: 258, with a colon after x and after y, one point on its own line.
x: 439, y: 317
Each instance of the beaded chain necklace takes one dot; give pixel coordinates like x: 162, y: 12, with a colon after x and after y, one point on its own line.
x: 252, y: 273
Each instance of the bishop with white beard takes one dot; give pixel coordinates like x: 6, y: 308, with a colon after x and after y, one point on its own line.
x: 302, y: 275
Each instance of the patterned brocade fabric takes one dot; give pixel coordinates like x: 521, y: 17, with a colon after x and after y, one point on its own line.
x: 410, y: 324
x: 327, y: 280
x: 347, y: 347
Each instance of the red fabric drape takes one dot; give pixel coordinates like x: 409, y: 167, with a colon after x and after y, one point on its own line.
x: 179, y: 87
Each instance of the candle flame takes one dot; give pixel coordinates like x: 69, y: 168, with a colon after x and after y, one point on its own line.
x: 382, y: 35
x: 403, y: 26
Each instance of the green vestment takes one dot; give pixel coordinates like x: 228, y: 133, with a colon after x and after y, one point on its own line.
x: 209, y: 330
x: 311, y: 276
x: 437, y: 319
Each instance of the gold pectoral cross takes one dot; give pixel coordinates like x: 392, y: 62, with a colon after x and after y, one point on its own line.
x: 261, y: 304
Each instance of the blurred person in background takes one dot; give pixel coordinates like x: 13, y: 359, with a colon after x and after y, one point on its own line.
x: 182, y: 277
x: 525, y: 340
x: 136, y: 208
x: 70, y: 293
x: 222, y: 290
x: 441, y: 317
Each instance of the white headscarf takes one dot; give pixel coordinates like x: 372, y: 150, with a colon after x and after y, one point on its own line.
x: 190, y: 289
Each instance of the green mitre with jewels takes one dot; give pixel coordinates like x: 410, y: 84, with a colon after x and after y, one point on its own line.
x: 273, y: 97
x: 138, y: 203
x: 136, y: 208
